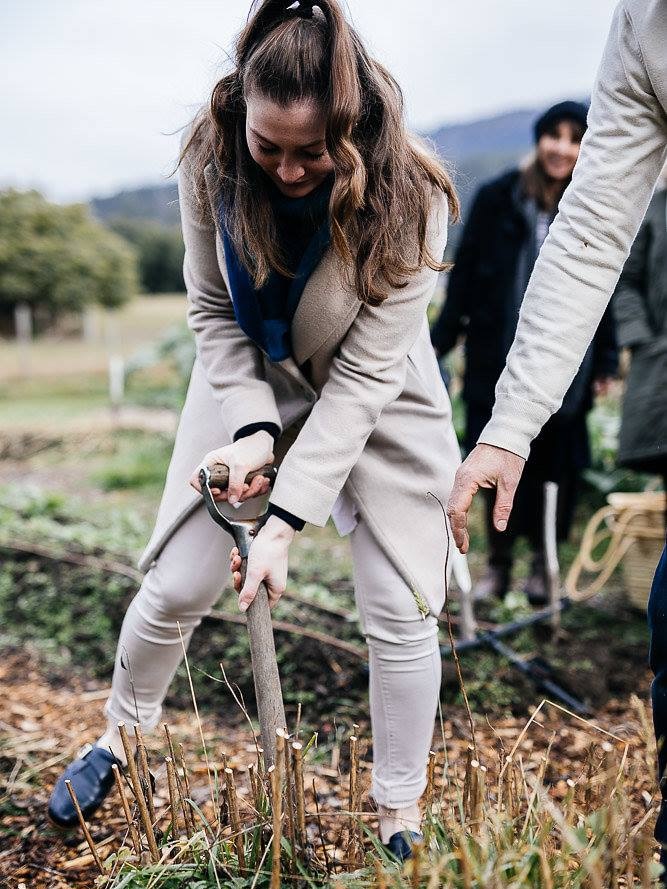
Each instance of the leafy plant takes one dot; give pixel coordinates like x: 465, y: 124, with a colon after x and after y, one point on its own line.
x: 58, y: 258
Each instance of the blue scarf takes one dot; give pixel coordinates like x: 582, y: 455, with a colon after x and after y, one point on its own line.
x: 265, y: 314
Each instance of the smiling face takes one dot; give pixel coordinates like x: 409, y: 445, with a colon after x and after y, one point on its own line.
x: 558, y: 150
x: 288, y: 143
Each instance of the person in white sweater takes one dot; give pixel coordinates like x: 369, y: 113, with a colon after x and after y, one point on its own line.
x: 573, y: 280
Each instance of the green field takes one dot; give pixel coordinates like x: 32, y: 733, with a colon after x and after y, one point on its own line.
x: 60, y: 381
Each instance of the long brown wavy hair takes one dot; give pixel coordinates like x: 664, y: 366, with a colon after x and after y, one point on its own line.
x: 384, y: 178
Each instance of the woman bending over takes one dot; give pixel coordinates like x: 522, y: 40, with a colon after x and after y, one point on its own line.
x: 314, y: 228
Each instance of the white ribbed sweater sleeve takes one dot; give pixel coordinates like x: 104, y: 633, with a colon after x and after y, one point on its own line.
x: 580, y: 262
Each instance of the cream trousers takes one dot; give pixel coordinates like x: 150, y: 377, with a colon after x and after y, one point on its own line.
x: 184, y: 585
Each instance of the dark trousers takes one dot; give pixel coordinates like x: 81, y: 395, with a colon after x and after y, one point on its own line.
x: 559, y: 454
x: 501, y: 544
x: 657, y: 621
x: 527, y: 517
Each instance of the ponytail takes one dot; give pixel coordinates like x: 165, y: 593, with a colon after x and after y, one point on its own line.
x: 383, y: 179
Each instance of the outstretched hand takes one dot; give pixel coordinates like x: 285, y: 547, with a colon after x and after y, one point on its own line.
x: 485, y: 467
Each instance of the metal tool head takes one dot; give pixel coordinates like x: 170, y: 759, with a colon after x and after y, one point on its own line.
x: 242, y: 530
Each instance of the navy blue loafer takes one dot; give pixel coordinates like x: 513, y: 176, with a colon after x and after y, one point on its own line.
x: 400, y: 844
x: 92, y: 779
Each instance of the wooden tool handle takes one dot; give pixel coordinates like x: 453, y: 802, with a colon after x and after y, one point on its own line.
x: 220, y: 475
x: 268, y: 691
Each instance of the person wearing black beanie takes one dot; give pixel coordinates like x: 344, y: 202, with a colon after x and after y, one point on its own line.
x: 576, y: 112
x: 508, y: 222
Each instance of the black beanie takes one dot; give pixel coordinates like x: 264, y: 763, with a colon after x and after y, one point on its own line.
x: 575, y: 111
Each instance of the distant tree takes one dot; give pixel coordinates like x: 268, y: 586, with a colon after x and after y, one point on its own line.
x: 160, y: 251
x: 58, y: 259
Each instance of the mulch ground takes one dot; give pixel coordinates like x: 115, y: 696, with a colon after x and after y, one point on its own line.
x: 43, y: 723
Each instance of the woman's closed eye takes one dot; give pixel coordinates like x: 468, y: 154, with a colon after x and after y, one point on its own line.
x: 267, y: 149
x: 273, y: 150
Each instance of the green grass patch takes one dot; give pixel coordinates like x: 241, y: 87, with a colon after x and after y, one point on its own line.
x: 139, y: 462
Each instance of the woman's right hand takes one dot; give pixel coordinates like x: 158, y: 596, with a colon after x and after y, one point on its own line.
x: 241, y: 457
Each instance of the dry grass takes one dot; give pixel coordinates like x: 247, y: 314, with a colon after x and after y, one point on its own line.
x: 138, y: 324
x: 553, y: 803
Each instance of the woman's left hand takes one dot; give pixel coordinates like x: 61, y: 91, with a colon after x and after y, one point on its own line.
x: 267, y: 562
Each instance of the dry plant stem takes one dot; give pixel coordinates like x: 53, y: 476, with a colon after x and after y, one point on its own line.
x: 646, y: 859
x: 144, y: 772
x: 265, y: 781
x: 500, y: 788
x: 430, y: 792
x: 289, y: 796
x: 277, y: 804
x: 522, y: 734
x: 475, y: 815
x: 568, y: 802
x: 297, y: 749
x: 455, y: 655
x: 612, y: 841
x: 297, y: 730
x: 234, y: 818
x: 352, y: 844
x: 380, y: 875
x: 185, y: 808
x: 467, y: 778
x: 134, y: 834
x: 434, y: 881
x: 466, y: 869
x: 430, y: 781
x: 545, y: 871
x: 416, y: 869
x: 569, y: 835
x: 630, y: 865
x: 173, y: 796
x: 74, y: 558
x: 138, y: 794
x: 186, y: 785
x: 320, y: 830
x: 481, y: 795
x: 590, y: 772
x: 256, y: 787
x: 199, y: 725
x: 84, y: 826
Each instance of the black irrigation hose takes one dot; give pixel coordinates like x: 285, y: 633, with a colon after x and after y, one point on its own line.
x: 536, y: 675
x: 482, y: 639
x: 491, y: 639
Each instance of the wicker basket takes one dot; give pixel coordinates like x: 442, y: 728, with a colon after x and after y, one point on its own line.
x: 646, y: 526
x: 633, y: 528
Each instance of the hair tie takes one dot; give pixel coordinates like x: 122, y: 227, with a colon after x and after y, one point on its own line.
x: 303, y: 8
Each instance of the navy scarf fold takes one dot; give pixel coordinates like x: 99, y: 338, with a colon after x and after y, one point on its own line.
x: 265, y: 314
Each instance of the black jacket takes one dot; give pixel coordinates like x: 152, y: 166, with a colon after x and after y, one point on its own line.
x: 640, y: 307
x: 481, y: 301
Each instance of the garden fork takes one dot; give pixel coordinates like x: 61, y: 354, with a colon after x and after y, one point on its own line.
x: 268, y: 692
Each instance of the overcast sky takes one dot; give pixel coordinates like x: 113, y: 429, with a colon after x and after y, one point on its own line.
x: 92, y: 89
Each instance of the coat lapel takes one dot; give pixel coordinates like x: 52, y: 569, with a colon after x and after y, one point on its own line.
x: 326, y: 306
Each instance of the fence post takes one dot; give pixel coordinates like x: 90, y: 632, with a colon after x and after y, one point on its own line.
x: 23, y: 330
x: 116, y: 382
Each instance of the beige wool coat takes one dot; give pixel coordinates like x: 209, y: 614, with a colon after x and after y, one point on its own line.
x: 579, y: 265
x: 361, y: 406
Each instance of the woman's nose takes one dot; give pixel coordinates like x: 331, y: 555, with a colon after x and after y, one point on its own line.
x: 290, y: 172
